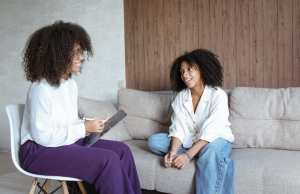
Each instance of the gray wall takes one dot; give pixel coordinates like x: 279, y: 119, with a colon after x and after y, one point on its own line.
x: 102, y: 75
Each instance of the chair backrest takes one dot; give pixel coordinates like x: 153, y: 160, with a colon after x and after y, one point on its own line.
x: 15, y: 115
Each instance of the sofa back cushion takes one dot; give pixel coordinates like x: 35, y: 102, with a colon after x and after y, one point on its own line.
x: 266, y: 118
x: 103, y: 109
x: 147, y: 112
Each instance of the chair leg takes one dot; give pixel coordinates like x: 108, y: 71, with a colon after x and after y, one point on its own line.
x: 46, y: 186
x: 81, y: 187
x: 65, y: 187
x: 33, y: 186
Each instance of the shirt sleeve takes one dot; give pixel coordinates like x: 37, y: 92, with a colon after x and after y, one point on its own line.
x: 217, y: 119
x: 43, y: 129
x: 176, y: 128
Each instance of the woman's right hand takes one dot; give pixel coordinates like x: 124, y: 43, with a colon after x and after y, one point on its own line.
x: 95, y: 125
x: 168, y: 158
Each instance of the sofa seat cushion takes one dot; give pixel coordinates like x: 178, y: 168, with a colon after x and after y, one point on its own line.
x: 266, y: 171
x: 259, y: 171
x: 146, y: 163
x: 172, y: 180
x: 154, y: 176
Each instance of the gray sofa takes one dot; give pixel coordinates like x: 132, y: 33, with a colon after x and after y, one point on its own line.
x: 265, y: 122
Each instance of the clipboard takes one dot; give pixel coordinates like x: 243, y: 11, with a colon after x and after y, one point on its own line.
x: 110, y: 123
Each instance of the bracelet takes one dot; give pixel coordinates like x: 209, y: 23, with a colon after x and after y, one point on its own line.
x: 189, y: 157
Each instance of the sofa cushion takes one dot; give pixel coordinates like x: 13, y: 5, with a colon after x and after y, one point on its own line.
x: 172, y: 180
x: 263, y: 171
x: 141, y: 128
x: 95, y: 108
x: 146, y: 163
x: 257, y: 171
x: 266, y: 118
x: 148, y: 112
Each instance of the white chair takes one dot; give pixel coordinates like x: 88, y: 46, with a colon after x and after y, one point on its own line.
x: 15, y: 116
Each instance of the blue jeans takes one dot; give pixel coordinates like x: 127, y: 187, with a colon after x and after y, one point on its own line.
x: 215, y: 169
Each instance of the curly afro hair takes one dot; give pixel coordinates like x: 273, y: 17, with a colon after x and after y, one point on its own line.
x: 206, y: 61
x: 48, y: 51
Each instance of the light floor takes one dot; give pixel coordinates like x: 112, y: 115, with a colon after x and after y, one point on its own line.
x: 6, y: 167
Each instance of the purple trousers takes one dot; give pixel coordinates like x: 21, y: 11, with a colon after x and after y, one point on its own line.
x: 108, y: 165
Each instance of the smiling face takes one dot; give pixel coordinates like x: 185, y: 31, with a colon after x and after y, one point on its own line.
x: 77, y: 59
x: 190, y: 75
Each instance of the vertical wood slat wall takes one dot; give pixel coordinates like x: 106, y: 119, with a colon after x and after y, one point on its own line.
x: 258, y: 41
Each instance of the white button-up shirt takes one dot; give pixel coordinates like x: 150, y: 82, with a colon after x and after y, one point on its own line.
x: 208, y: 122
x: 51, y: 114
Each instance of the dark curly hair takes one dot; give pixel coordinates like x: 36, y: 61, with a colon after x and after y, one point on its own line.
x: 48, y: 51
x: 206, y: 61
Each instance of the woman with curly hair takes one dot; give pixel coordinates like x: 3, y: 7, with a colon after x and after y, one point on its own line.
x: 199, y: 124
x: 52, y: 134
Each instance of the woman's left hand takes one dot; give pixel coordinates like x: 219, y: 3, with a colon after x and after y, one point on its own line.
x: 181, y: 161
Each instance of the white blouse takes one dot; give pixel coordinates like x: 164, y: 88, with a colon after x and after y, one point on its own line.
x: 51, y: 114
x: 208, y: 122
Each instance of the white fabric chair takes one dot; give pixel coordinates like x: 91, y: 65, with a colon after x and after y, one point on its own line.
x: 15, y: 116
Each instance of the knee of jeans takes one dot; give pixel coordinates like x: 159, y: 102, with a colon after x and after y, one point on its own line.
x: 153, y: 140
x: 210, y: 154
x: 152, y: 143
x: 219, y: 146
x: 219, y: 142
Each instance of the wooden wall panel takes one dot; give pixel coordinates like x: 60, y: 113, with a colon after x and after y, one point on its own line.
x: 228, y: 40
x: 258, y: 41
x: 296, y: 42
x: 242, y: 45
x: 256, y: 12
x: 270, y: 43
x: 285, y: 42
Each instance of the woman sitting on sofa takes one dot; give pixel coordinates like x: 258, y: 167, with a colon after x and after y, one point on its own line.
x: 200, y: 128
x: 52, y: 134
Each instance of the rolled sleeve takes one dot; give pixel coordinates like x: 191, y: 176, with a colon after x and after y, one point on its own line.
x: 176, y: 128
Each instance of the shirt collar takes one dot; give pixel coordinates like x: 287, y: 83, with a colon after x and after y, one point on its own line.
x: 188, y: 104
x: 205, y: 95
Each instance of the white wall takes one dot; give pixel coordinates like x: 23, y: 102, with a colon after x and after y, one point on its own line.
x: 102, y: 75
